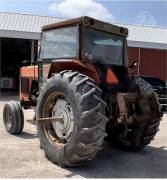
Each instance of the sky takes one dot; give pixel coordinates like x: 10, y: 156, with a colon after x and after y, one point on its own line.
x: 152, y: 13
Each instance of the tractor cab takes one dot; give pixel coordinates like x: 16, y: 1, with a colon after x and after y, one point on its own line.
x: 88, y: 41
x: 83, y: 38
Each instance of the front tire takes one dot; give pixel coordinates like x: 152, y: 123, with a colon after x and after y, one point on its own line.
x: 13, y: 117
x: 87, y: 110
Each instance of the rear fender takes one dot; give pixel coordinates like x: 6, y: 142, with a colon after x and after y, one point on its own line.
x: 84, y: 68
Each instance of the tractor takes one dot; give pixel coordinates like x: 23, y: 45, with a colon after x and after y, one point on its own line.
x: 82, y: 93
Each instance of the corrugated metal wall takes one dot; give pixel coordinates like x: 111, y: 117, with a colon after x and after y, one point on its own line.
x: 153, y: 62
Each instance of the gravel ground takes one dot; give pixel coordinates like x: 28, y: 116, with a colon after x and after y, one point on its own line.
x: 21, y: 157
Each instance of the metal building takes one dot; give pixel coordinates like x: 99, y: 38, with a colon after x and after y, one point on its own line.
x: 148, y: 46
x: 19, y: 35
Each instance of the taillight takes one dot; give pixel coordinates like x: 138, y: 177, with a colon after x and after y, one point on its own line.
x: 111, y: 77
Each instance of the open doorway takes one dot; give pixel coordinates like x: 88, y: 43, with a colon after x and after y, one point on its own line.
x: 13, y: 53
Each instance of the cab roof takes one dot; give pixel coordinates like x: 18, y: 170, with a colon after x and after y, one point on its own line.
x: 90, y: 22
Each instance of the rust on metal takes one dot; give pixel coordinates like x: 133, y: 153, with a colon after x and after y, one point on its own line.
x: 49, y: 119
x: 123, y: 100
x: 91, y: 22
x: 55, y: 119
x: 61, y: 24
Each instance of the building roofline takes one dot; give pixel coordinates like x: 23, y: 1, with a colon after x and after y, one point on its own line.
x: 147, y: 45
x: 14, y: 32
x: 141, y: 25
x: 48, y: 16
x: 19, y: 34
x: 32, y: 14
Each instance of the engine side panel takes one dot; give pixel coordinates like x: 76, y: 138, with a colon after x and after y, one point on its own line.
x: 29, y: 74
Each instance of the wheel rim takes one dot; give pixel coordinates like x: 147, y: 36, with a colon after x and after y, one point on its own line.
x: 64, y: 128
x: 60, y: 132
x: 8, y: 120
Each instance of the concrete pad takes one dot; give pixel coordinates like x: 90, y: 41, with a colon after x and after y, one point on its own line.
x: 21, y: 157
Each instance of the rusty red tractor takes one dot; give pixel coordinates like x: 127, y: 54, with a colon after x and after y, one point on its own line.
x: 82, y: 93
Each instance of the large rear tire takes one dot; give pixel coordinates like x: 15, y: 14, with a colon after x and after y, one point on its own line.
x: 142, y: 131
x: 13, y: 117
x: 77, y: 99
x: 138, y: 136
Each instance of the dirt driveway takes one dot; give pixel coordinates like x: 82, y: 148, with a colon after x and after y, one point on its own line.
x: 20, y: 156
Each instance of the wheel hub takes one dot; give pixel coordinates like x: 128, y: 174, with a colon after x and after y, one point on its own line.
x: 8, y: 120
x: 64, y: 128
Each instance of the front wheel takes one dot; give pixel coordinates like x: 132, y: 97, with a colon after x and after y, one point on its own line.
x: 13, y: 117
x: 78, y: 136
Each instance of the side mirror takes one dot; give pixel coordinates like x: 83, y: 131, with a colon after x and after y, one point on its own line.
x: 134, y: 64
